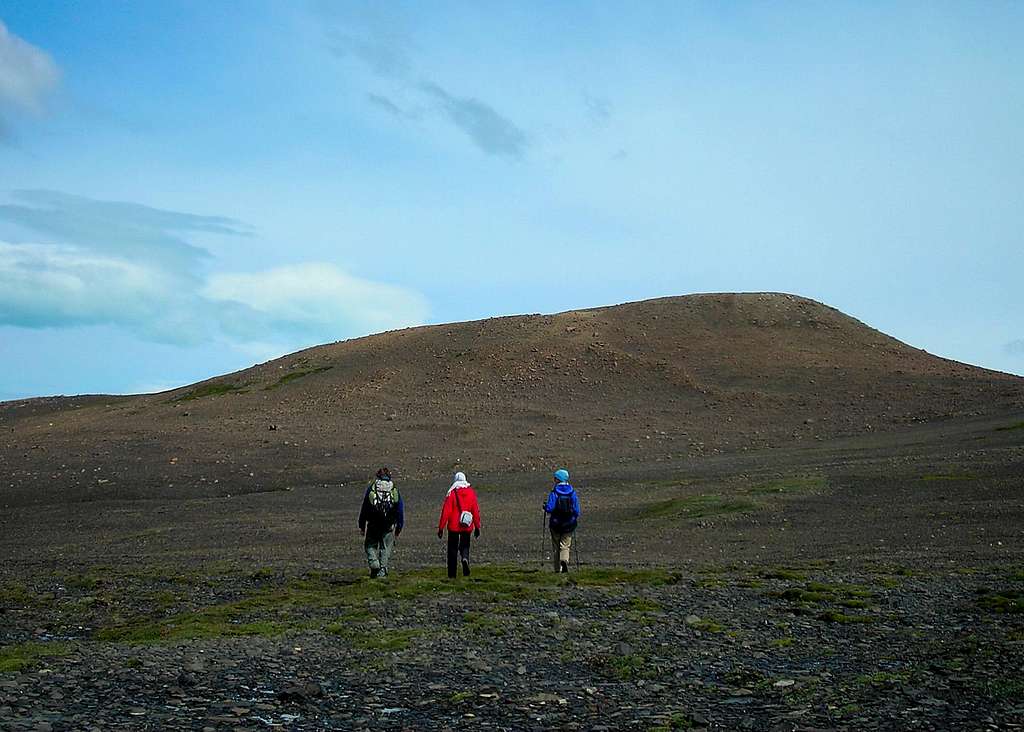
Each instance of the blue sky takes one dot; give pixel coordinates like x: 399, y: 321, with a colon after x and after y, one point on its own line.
x: 187, y: 188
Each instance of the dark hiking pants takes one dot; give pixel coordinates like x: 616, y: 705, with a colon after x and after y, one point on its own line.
x: 458, y: 546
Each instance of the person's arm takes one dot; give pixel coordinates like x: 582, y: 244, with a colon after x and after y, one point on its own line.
x: 363, y: 510
x: 549, y: 505
x: 575, y: 505
x: 477, y: 523
x: 445, y: 509
x: 400, y: 522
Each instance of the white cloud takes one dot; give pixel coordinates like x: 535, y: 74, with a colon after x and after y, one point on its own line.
x: 27, y: 73
x: 126, y: 265
x: 315, y: 297
x: 46, y: 285
x: 265, y: 313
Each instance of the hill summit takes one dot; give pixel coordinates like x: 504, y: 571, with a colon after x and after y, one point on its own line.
x: 664, y: 380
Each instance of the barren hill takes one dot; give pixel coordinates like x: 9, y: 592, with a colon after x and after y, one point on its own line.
x: 656, y: 381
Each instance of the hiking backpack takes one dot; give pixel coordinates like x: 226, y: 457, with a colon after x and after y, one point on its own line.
x: 562, y: 516
x: 383, y: 502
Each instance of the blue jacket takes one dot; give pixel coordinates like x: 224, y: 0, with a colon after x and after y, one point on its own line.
x: 562, y: 489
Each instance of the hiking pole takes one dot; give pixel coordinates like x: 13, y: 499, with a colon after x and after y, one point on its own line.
x: 543, y: 526
x: 576, y: 545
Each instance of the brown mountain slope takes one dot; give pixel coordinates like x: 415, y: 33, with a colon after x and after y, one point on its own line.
x: 655, y: 381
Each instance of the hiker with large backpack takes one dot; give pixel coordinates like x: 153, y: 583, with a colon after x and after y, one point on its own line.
x: 381, y: 519
x: 460, y: 514
x: 563, y: 511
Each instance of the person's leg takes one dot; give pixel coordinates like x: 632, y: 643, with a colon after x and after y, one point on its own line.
x: 564, y: 544
x: 370, y: 544
x: 464, y: 539
x: 554, y: 549
x: 387, y: 545
x: 453, y: 552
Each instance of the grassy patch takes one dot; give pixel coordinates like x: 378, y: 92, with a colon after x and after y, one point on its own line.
x: 382, y: 639
x: 1007, y: 688
x: 294, y: 375
x: 800, y: 484
x: 783, y: 573
x: 645, y: 605
x: 208, y: 390
x: 1009, y: 427
x: 630, y: 667
x: 17, y: 595
x: 341, y: 601
x: 781, y: 642
x: 948, y: 476
x: 486, y: 623
x: 84, y: 581
x: 834, y: 616
x: 20, y: 657
x: 1002, y: 601
x: 811, y: 593
x: 695, y: 507
x: 708, y: 626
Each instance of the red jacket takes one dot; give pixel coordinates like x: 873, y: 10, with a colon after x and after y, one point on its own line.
x: 451, y: 509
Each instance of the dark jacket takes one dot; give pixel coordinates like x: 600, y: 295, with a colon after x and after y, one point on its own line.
x: 368, y: 514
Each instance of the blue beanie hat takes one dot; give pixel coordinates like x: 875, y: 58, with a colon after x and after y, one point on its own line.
x: 562, y: 475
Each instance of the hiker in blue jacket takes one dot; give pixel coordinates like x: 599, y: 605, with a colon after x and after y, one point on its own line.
x: 563, y: 510
x: 381, y: 518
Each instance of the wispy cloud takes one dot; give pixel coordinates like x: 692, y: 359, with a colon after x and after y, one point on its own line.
x: 388, y: 54
x: 490, y: 131
x: 116, y: 227
x: 1014, y: 348
x: 127, y: 265
x: 598, y: 109
x: 386, y: 104
x: 27, y: 75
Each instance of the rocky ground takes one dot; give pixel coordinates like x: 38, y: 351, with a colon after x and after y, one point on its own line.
x: 813, y: 646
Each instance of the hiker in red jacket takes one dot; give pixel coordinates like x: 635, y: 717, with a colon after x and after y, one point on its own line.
x: 461, y: 514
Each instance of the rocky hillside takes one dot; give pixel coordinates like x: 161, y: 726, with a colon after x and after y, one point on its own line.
x: 662, y: 380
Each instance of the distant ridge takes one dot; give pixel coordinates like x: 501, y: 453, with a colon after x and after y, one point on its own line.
x: 667, y: 380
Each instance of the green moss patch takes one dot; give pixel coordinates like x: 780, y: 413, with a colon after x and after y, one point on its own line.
x: 834, y: 616
x: 695, y: 507
x: 948, y: 476
x: 341, y: 602
x: 1009, y: 427
x: 783, y: 573
x: 208, y: 390
x: 25, y: 655
x: 1002, y: 601
x: 295, y: 375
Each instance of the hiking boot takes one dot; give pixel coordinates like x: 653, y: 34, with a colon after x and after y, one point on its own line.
x: 383, y: 572
x: 563, y: 567
x: 374, y: 573
x: 465, y: 567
